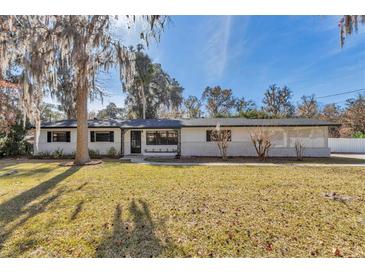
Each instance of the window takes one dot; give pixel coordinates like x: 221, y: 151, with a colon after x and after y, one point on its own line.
x: 102, y: 136
x: 209, y: 135
x: 58, y: 136
x: 173, y: 137
x: 309, y: 137
x: 150, y: 138
x: 278, y: 138
x: 161, y: 137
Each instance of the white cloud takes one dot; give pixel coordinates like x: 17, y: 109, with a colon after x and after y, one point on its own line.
x: 217, y: 46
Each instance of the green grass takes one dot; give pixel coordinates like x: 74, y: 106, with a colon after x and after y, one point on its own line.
x: 272, y: 160
x: 128, y: 210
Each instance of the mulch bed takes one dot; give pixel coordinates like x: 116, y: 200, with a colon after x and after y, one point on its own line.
x: 91, y: 163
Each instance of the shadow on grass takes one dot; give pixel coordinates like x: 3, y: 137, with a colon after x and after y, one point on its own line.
x: 27, y: 172
x: 77, y: 210
x: 136, y: 240
x: 21, y: 209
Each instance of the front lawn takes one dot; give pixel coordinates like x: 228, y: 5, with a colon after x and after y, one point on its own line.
x: 253, y: 160
x: 130, y: 210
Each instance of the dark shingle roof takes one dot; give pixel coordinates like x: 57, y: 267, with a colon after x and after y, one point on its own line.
x: 73, y: 123
x: 151, y: 123
x: 201, y: 122
x: 243, y: 122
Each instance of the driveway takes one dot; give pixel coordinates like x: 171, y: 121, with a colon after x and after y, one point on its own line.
x: 348, y: 155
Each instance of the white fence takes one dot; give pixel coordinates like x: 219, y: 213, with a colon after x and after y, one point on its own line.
x: 347, y: 145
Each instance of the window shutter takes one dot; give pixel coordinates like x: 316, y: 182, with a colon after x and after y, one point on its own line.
x: 92, y: 136
x: 68, y: 136
x: 111, y: 139
x: 49, y: 136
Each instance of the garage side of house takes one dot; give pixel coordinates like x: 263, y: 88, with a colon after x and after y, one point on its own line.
x: 196, y: 141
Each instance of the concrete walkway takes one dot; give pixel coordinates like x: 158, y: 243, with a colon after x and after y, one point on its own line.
x: 141, y: 160
x: 353, y: 156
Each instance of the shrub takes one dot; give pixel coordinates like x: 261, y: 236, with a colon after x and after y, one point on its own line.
x: 13, y: 144
x: 112, y: 152
x: 299, y: 149
x: 254, y: 114
x: 42, y: 155
x: 58, y: 153
x: 222, y: 138
x: 94, y: 153
x: 358, y: 135
x: 261, y: 140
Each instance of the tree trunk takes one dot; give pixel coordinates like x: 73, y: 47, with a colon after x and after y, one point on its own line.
x: 82, y: 150
x: 224, y: 157
x: 143, y: 102
x: 224, y: 152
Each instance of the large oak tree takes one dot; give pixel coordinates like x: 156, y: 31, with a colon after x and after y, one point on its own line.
x: 151, y: 89
x: 39, y: 45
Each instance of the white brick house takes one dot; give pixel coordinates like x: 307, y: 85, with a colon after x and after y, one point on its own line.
x: 187, y: 137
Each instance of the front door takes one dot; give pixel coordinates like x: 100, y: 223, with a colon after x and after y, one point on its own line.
x: 135, y: 141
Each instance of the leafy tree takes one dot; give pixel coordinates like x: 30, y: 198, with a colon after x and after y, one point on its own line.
x: 49, y: 112
x: 166, y: 113
x: 348, y: 24
x: 193, y: 106
x: 166, y: 95
x: 12, y: 143
x: 84, y: 42
x: 175, y: 99
x: 143, y: 74
x: 358, y: 135
x: 152, y: 91
x: 65, y: 91
x: 277, y: 101
x: 254, y: 114
x: 12, y: 131
x: 243, y: 105
x: 8, y: 109
x: 333, y: 113
x: 92, y: 115
x: 111, y: 112
x: 218, y: 102
x: 354, y: 115
x: 307, y: 107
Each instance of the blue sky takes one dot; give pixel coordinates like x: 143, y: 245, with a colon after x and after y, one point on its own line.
x: 249, y: 53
